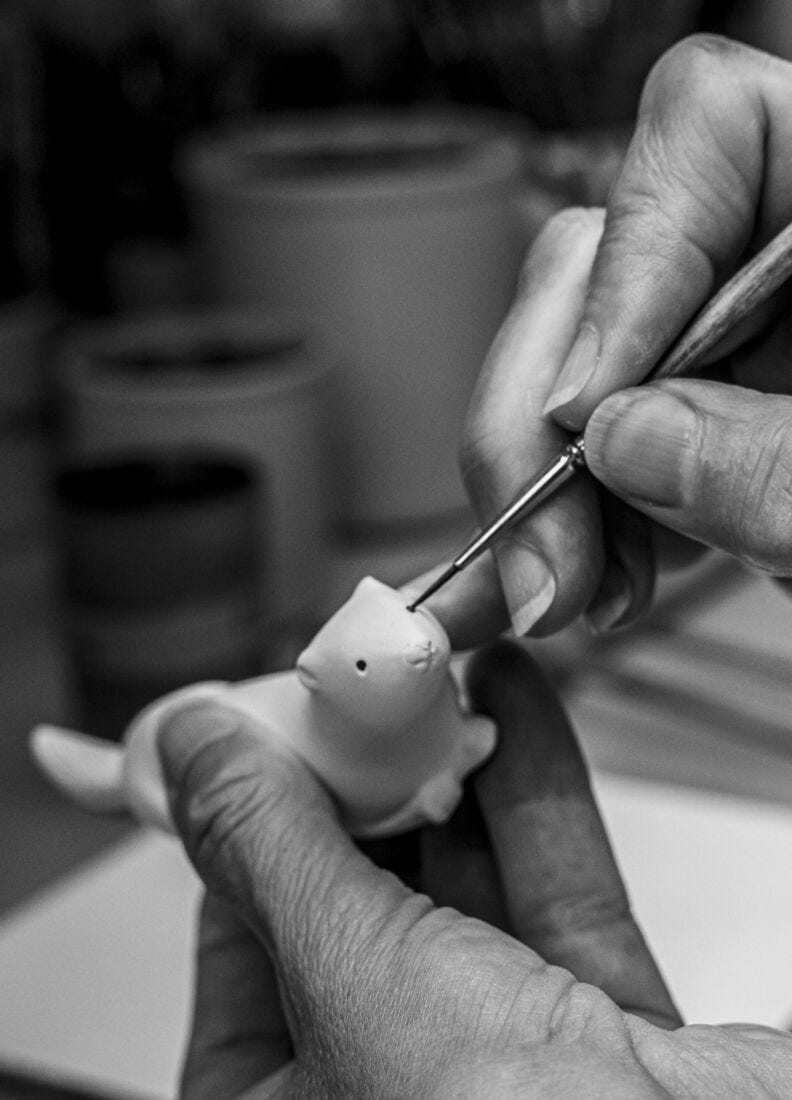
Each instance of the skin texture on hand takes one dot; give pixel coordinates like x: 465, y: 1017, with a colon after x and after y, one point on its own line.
x: 518, y: 972
x: 705, y: 182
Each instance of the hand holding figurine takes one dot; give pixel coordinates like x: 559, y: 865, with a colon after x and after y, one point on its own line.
x: 372, y: 708
x: 704, y: 181
x: 321, y: 975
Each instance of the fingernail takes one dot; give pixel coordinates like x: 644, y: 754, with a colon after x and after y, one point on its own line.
x: 642, y: 443
x: 528, y: 585
x: 188, y: 730
x: 582, y: 361
x: 610, y: 607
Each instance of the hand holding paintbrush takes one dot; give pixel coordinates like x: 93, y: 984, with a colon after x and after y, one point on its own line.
x: 734, y: 303
x: 701, y: 189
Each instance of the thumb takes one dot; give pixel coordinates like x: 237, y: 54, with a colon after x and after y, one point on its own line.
x: 705, y: 177
x: 711, y: 461
x: 263, y: 834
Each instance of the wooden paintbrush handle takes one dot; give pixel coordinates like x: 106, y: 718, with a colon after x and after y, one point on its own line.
x: 744, y: 292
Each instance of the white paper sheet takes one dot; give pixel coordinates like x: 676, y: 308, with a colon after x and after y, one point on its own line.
x: 95, y: 974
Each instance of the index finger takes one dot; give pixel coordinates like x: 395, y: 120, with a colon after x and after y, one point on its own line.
x: 563, y: 890
x: 706, y: 175
x: 549, y: 564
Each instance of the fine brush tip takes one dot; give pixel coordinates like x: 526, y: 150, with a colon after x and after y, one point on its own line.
x: 434, y: 587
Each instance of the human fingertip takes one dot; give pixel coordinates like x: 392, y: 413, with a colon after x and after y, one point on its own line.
x: 580, y: 365
x: 643, y: 444
x: 188, y: 730
x: 568, y: 226
x: 529, y: 585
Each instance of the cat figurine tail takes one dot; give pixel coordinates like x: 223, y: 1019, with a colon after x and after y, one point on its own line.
x: 108, y: 777
x: 88, y: 771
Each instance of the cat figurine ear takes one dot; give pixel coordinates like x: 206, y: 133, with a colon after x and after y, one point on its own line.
x: 372, y: 709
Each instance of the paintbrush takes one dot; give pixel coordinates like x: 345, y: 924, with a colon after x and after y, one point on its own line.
x: 737, y: 299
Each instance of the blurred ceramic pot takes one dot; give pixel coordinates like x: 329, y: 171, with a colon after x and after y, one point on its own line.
x: 159, y: 563
x: 399, y: 230
x: 251, y: 383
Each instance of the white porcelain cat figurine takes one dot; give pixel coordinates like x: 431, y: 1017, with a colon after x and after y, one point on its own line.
x: 372, y: 709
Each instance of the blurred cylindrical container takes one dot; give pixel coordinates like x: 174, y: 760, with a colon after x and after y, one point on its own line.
x: 251, y: 383
x: 399, y: 230
x: 24, y: 323
x: 147, y: 275
x: 159, y: 564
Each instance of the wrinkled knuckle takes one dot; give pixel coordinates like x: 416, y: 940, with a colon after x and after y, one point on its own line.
x: 578, y: 1007
x: 646, y: 230
x: 433, y: 940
